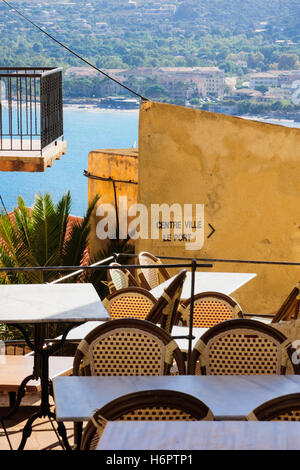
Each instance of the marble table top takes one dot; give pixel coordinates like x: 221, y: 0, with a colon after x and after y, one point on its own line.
x: 226, y: 283
x: 46, y: 303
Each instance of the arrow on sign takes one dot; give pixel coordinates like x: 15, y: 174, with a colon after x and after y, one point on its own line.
x: 212, y: 231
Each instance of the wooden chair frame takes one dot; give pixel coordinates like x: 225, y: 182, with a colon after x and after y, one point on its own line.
x: 123, y: 405
x: 165, y: 311
x: 271, y: 409
x: 142, y: 274
x: 239, y: 324
x: 290, y: 309
x: 183, y: 309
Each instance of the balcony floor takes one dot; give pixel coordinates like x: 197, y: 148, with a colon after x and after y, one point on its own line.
x: 30, y: 160
x: 42, y: 438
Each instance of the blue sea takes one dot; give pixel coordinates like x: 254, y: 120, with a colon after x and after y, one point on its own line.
x: 84, y: 130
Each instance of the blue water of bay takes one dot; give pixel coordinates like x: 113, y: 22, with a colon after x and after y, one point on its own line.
x: 84, y: 130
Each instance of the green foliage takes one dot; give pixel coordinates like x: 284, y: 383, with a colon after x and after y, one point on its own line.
x: 256, y: 108
x: 288, y: 62
x: 39, y: 237
x: 196, y: 34
x: 262, y: 88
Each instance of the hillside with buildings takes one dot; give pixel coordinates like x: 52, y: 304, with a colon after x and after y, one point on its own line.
x: 239, y: 56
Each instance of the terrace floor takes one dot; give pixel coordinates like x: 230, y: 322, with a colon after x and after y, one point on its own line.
x: 42, y: 438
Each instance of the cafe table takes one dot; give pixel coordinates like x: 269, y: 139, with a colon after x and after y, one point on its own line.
x: 39, y: 305
x: 198, y: 435
x: 226, y: 283
x: 228, y: 397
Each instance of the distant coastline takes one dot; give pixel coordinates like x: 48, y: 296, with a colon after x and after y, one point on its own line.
x: 82, y: 104
x: 92, y: 107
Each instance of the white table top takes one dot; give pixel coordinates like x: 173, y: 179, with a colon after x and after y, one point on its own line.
x: 45, y: 303
x: 232, y: 397
x: 226, y: 283
x: 200, y: 435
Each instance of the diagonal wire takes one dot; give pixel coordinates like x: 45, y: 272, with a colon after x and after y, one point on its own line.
x: 71, y: 51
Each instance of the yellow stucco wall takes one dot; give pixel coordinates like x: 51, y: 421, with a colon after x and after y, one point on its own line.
x: 119, y: 164
x: 247, y: 175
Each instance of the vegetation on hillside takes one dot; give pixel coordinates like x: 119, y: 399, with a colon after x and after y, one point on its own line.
x: 233, y: 35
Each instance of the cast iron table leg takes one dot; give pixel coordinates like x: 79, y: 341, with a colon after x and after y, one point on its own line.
x: 40, y: 370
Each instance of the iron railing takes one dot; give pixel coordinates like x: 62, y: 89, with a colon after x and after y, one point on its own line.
x: 31, y: 108
x: 193, y: 265
x: 190, y: 263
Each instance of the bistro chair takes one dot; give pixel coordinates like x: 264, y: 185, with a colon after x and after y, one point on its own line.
x: 149, y: 405
x: 127, y: 346
x: 284, y: 408
x: 241, y: 347
x: 130, y: 302
x: 290, y: 309
x: 119, y: 278
x: 150, y: 278
x: 165, y: 311
x: 210, y: 308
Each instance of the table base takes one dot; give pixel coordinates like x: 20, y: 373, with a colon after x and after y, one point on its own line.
x: 40, y: 371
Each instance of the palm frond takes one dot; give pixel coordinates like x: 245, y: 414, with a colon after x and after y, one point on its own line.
x: 63, y: 208
x: 76, y: 242
x: 45, y: 229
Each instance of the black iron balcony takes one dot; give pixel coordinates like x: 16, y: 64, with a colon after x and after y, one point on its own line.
x: 31, y: 118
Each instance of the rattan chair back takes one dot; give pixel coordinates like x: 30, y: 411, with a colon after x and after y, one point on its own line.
x: 131, y: 302
x: 127, y: 346
x: 284, y: 408
x: 241, y: 347
x: 165, y: 311
x: 119, y: 278
x: 210, y: 308
x: 150, y: 278
x: 148, y: 405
